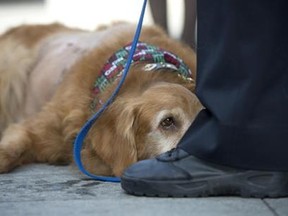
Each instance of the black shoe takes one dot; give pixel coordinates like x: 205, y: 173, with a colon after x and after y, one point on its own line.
x: 178, y: 174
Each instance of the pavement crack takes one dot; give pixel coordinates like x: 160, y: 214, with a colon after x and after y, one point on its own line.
x: 270, y: 207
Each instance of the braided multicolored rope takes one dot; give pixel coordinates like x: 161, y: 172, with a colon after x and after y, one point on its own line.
x: 155, y: 57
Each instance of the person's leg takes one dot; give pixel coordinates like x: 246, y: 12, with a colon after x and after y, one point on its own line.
x: 242, y: 81
x: 188, y: 34
x: 159, y: 12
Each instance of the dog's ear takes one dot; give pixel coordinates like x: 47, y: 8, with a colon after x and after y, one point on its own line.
x: 125, y: 123
x: 93, y: 163
x: 125, y: 149
x: 113, y: 137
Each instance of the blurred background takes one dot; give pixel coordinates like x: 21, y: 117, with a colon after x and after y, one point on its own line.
x: 85, y: 14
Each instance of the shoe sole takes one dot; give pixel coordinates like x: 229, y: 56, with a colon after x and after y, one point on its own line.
x: 251, y: 184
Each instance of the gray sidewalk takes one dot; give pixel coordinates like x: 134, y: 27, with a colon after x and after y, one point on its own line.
x: 49, y: 190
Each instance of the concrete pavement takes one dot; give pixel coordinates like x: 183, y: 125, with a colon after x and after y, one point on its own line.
x: 53, y: 190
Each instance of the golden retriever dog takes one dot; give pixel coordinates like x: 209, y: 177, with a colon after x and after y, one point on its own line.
x: 51, y: 83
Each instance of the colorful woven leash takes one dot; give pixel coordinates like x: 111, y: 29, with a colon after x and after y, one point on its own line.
x: 78, y: 143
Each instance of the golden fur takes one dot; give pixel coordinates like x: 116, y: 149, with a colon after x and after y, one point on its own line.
x: 46, y: 76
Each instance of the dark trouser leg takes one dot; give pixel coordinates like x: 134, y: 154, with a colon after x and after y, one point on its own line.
x: 188, y: 34
x: 243, y: 82
x: 159, y: 12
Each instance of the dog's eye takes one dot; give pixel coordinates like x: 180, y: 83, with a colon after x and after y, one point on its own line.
x: 167, y: 123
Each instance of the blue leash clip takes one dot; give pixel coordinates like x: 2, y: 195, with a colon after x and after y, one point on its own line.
x: 78, y: 143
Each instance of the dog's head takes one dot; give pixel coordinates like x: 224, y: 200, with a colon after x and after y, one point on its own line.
x: 148, y: 117
x: 152, y: 111
x: 155, y: 122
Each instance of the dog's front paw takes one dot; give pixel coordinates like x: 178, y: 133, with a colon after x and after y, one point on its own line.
x: 13, y: 148
x: 7, y: 162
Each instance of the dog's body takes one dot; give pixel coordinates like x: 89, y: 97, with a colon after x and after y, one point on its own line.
x: 46, y: 77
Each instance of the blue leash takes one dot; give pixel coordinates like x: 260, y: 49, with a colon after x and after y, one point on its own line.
x: 78, y: 143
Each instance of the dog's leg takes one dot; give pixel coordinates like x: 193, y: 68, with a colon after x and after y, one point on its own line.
x: 14, y: 144
x: 45, y: 138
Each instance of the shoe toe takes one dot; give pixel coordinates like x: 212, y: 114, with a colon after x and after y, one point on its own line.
x: 153, y: 169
